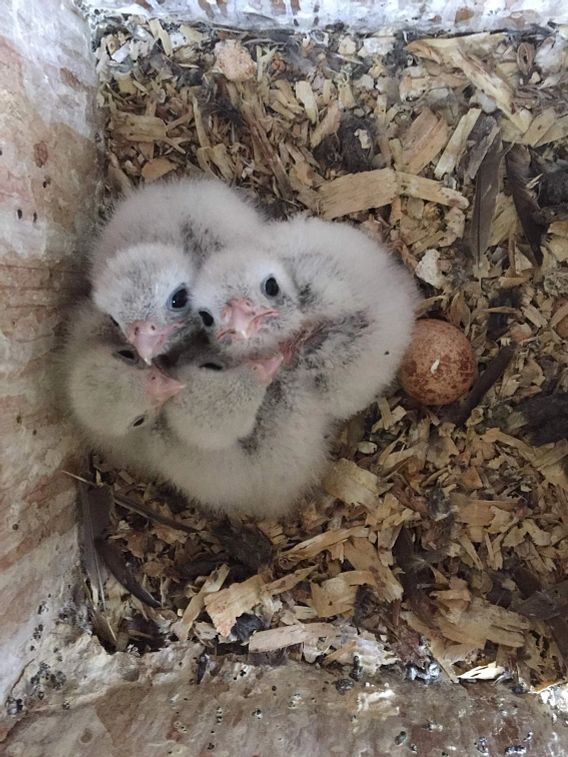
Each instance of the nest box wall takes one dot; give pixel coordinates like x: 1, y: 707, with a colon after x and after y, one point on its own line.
x: 47, y: 198
x: 427, y: 15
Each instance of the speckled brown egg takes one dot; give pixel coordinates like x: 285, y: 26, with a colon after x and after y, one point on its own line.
x: 439, y: 365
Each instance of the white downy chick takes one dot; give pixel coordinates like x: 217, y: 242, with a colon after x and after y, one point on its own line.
x: 145, y: 288
x: 264, y: 474
x: 325, y: 292
x: 144, y: 262
x: 248, y: 299
x: 110, y: 393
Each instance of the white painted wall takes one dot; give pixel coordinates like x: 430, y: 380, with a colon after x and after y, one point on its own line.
x: 427, y: 15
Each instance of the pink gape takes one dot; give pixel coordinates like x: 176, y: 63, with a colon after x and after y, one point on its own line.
x: 242, y: 319
x: 161, y: 387
x: 148, y: 339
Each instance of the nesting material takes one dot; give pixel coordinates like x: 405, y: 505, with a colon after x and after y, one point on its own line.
x: 439, y: 535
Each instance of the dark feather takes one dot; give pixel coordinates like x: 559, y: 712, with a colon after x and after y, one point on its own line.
x: 484, y: 134
x: 144, y: 633
x: 203, y: 567
x: 354, y: 156
x: 114, y: 561
x: 545, y: 604
x: 552, y: 198
x: 246, y: 544
x: 148, y: 512
x: 486, y: 188
x: 274, y: 659
x: 498, y: 323
x: 202, y: 665
x: 327, y: 153
x: 366, y: 610
x: 406, y: 559
x: 529, y: 585
x: 553, y: 189
x: 546, y: 417
x: 95, y: 506
x: 546, y: 216
x: 493, y: 372
x: 225, y: 111
x: 518, y: 163
x: 246, y: 625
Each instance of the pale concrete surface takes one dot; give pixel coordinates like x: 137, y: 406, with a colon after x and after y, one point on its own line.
x: 123, y: 707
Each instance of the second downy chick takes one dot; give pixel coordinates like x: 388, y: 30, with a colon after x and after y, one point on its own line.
x: 220, y: 404
x: 322, y: 292
x: 109, y: 393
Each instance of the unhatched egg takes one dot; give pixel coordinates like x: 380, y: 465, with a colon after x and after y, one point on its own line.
x: 439, y: 365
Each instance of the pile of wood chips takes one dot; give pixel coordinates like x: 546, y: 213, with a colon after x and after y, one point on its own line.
x: 440, y: 539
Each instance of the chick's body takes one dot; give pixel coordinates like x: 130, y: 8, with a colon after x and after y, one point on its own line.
x: 365, y: 302
x: 196, y: 215
x: 220, y: 403
x: 264, y: 473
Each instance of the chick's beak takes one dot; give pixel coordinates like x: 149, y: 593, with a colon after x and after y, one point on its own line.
x: 267, y: 368
x: 161, y: 387
x: 241, y: 318
x: 149, y: 338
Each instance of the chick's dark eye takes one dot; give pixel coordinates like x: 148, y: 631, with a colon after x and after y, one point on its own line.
x: 270, y: 287
x: 129, y: 356
x: 206, y: 317
x: 138, y: 421
x: 212, y: 366
x: 179, y: 299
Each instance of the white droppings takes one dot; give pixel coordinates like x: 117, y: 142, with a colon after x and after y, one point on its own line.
x: 434, y: 367
x: 366, y: 700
